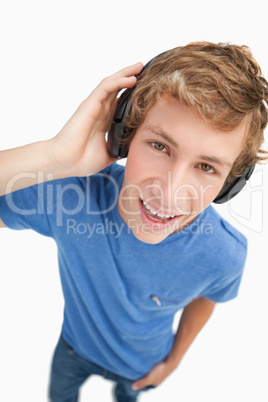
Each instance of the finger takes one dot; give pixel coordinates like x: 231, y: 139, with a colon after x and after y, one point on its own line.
x: 125, y: 78
x: 128, y: 71
x: 142, y: 383
x: 101, y: 101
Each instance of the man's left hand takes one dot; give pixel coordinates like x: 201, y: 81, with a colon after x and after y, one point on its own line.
x: 155, y: 376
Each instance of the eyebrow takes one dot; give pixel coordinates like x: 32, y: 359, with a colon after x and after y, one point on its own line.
x: 158, y: 131
x: 212, y: 159
x: 218, y: 161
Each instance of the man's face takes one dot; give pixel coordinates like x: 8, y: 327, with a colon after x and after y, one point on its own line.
x: 177, y: 164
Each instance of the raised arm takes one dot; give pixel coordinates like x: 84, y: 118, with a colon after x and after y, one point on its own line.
x: 80, y: 147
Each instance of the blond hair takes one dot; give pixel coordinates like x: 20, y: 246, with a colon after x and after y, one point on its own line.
x: 223, y: 82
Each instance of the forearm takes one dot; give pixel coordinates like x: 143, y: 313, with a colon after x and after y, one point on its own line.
x: 79, y: 149
x: 193, y: 319
x: 27, y: 165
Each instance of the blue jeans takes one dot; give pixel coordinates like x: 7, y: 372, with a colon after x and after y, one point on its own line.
x: 69, y: 371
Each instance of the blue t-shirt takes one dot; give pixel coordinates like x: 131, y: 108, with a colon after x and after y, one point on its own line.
x: 121, y: 294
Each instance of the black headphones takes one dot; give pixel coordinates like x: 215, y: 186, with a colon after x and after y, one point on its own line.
x: 117, y: 131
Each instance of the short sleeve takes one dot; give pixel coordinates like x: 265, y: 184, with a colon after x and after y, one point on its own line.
x: 25, y: 209
x: 226, y: 257
x: 42, y: 207
x: 225, y: 290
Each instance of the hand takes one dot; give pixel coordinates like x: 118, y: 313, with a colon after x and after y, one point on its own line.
x: 155, y: 376
x: 80, y: 147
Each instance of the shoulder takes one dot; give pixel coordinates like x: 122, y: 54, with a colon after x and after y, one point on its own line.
x: 115, y: 170
x: 108, y: 177
x: 112, y: 173
x: 108, y: 180
x: 224, y: 231
x: 226, y: 245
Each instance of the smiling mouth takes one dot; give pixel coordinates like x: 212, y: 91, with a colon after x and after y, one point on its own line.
x: 157, y: 216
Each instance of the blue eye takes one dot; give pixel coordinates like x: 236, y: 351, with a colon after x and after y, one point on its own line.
x: 159, y: 147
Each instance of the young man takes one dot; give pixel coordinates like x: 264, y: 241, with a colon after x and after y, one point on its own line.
x: 138, y: 244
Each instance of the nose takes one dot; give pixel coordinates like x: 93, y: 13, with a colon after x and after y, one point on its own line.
x: 175, y: 190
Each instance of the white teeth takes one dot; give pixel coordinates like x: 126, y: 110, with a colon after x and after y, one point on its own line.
x: 157, y: 213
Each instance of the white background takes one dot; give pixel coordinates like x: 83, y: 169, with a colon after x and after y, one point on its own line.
x: 53, y: 53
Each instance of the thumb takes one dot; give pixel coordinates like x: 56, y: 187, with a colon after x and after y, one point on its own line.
x: 142, y: 383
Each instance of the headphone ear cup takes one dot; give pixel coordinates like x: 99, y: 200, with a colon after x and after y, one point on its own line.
x: 232, y: 188
x: 115, y: 149
x: 116, y: 130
